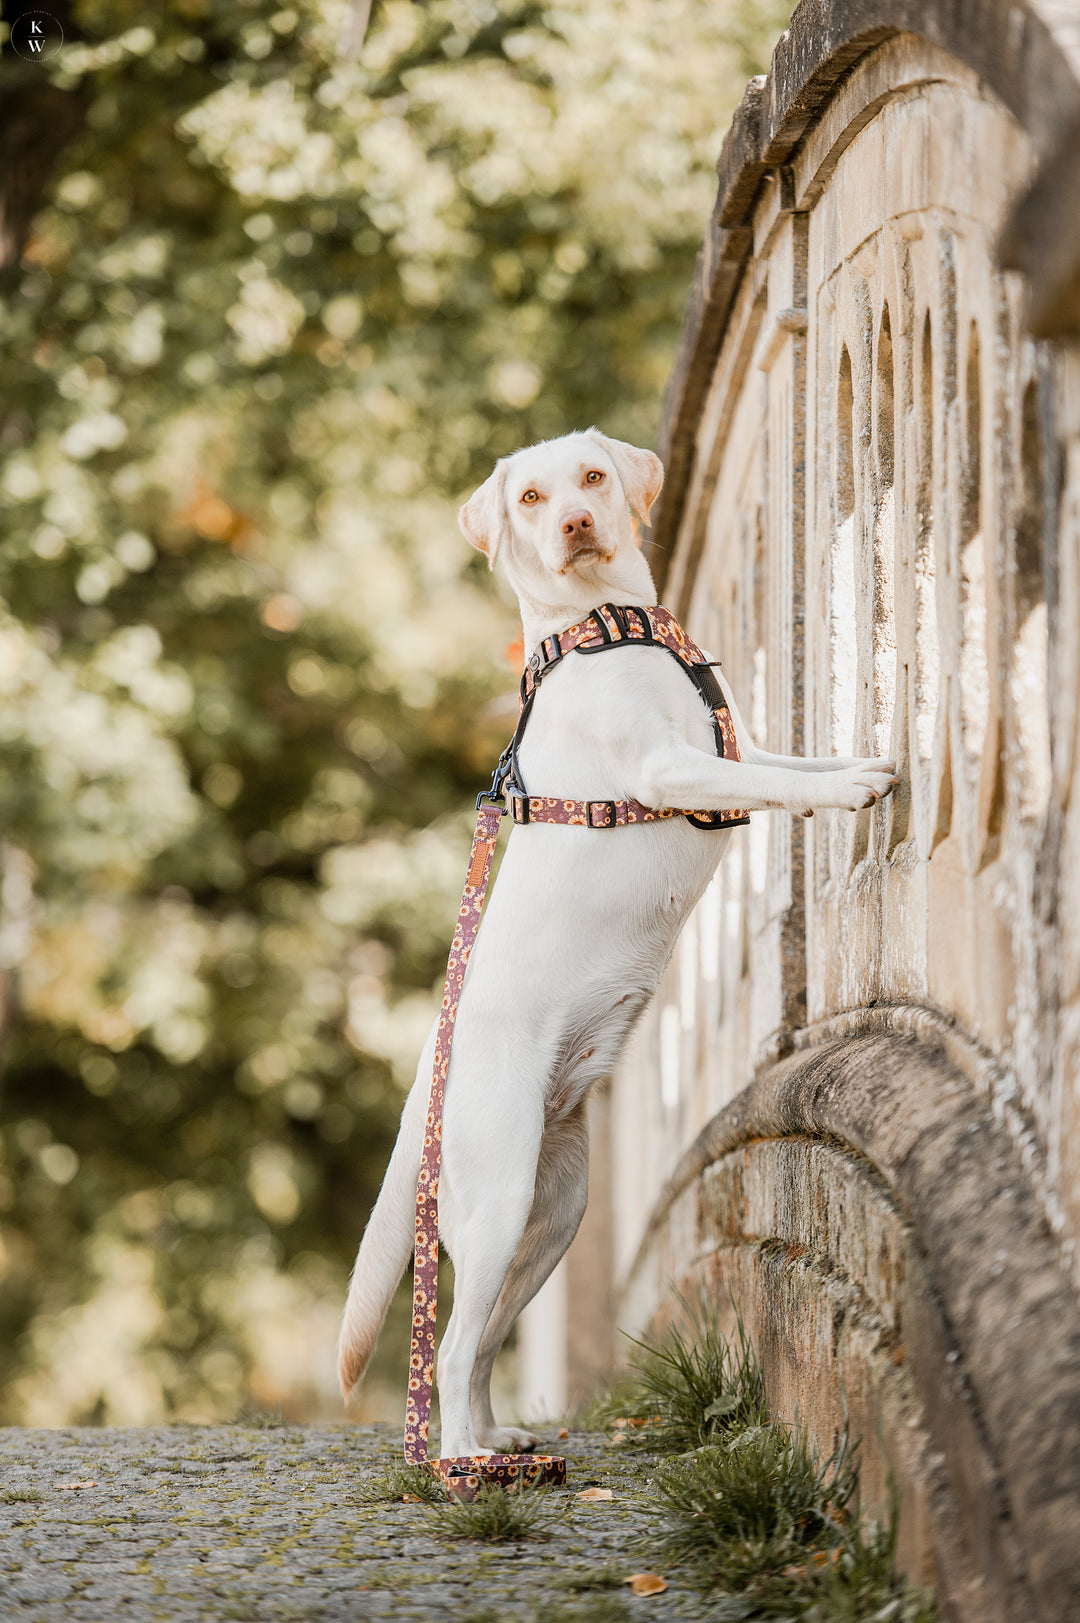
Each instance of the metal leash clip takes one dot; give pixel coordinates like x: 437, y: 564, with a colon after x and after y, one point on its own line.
x: 496, y: 794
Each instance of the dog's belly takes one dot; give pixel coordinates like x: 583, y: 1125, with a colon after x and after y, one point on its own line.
x: 578, y: 929
x: 588, y: 1049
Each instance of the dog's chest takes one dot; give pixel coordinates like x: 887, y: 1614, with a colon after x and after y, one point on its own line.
x: 597, y: 715
x: 581, y: 922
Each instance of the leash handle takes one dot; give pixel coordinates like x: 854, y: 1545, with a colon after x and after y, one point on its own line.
x: 426, y: 1263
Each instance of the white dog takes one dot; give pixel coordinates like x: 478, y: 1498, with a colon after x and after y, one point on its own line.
x: 578, y: 927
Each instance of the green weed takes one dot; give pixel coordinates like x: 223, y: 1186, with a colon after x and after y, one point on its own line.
x: 617, y: 1401
x: 585, y: 1578
x: 262, y: 1419
x: 696, y: 1387
x: 762, y: 1520
x: 753, y: 1506
x: 498, y: 1516
x: 599, y: 1609
x: 21, y: 1496
x: 398, y: 1482
x: 860, y: 1584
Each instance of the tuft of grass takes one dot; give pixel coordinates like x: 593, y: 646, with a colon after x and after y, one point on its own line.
x: 21, y: 1496
x: 616, y: 1401
x: 596, y: 1609
x: 499, y: 1517
x: 758, y: 1505
x: 761, y: 1519
x: 860, y: 1583
x: 581, y: 1579
x: 695, y: 1388
x: 402, y: 1483
x: 746, y: 1506
x: 262, y: 1419
x: 599, y: 1609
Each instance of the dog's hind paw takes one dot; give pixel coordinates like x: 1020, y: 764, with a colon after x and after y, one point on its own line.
x: 509, y: 1440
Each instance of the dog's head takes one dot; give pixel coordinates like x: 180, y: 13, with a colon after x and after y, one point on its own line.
x: 559, y: 513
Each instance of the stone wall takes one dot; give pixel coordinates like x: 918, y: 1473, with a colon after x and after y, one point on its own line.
x: 854, y: 1105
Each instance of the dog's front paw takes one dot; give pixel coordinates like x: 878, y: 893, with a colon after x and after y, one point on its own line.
x: 510, y: 1440
x: 866, y: 784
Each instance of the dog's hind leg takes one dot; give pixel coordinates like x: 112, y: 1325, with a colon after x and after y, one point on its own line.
x: 484, y: 1198
x: 562, y: 1182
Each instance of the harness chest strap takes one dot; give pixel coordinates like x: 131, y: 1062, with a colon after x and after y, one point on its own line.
x: 609, y: 626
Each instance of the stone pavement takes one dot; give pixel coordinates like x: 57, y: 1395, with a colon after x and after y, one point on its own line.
x: 192, y: 1523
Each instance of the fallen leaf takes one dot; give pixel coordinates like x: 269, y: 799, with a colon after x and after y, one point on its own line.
x: 818, y: 1558
x: 646, y: 1583
x: 71, y: 1486
x: 563, y: 1433
x: 596, y: 1493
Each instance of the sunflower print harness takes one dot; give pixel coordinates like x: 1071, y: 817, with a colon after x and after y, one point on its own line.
x: 609, y: 626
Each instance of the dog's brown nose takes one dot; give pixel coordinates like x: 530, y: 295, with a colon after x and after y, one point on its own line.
x: 577, y: 527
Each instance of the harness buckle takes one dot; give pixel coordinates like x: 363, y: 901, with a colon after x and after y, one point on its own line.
x: 611, y: 815
x: 707, y: 684
x: 518, y: 807
x: 548, y: 653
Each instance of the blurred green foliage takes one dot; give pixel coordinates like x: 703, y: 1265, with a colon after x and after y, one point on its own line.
x: 277, y: 315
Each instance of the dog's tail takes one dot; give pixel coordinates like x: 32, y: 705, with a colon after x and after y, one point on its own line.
x: 385, y: 1249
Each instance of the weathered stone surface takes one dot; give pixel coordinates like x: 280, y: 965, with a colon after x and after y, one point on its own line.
x: 856, y: 1099
x: 1008, y: 45
x: 192, y: 1523
x: 1042, y: 239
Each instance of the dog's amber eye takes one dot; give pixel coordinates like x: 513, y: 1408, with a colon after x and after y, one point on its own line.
x: 531, y: 496
x: 594, y: 477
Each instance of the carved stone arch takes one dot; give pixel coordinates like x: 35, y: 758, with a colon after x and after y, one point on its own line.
x: 876, y: 1225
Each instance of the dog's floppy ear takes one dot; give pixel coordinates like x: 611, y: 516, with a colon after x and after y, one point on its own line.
x: 483, y: 516
x: 641, y: 472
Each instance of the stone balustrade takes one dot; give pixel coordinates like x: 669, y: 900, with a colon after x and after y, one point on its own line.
x: 853, y: 1112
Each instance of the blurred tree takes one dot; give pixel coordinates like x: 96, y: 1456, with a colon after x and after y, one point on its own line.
x: 280, y: 311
